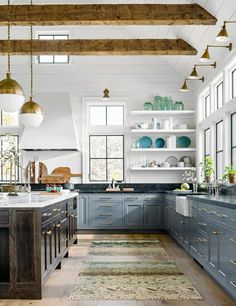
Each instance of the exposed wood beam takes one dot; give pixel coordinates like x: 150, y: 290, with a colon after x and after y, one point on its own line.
x: 107, y: 14
x: 100, y: 47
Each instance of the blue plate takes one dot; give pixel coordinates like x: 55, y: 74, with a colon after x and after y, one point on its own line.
x: 183, y: 141
x: 160, y: 143
x: 145, y: 142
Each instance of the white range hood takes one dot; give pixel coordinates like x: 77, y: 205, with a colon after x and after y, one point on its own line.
x: 58, y: 132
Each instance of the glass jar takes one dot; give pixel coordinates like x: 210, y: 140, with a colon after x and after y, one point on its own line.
x: 178, y: 105
x: 148, y: 106
x: 157, y: 104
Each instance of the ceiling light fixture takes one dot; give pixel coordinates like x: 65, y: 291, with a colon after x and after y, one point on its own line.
x: 205, y: 58
x: 184, y: 87
x: 223, y: 35
x: 11, y: 92
x: 194, y: 74
x: 31, y: 114
x: 106, y: 94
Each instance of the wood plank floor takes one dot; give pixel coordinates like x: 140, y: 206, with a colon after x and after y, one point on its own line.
x: 59, y: 285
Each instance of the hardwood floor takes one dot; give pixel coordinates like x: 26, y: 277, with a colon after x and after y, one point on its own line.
x: 59, y: 285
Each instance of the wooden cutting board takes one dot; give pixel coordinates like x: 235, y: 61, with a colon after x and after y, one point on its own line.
x: 66, y: 172
x: 52, y: 179
x: 42, y: 171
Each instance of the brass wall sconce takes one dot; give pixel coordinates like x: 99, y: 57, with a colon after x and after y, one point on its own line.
x: 194, y: 74
x: 205, y: 58
x: 184, y: 87
x: 223, y: 35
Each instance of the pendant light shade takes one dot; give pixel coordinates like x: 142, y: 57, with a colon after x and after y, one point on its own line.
x: 205, y: 58
x: 31, y: 114
x: 11, y: 95
x: 223, y: 35
x: 184, y: 87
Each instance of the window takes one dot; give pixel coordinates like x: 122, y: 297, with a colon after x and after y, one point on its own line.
x: 5, y: 165
x: 106, y: 115
x: 207, y: 106
x: 219, y: 150
x: 53, y: 59
x: 219, y: 95
x: 234, y: 83
x: 9, y: 119
x: 106, y: 157
x: 207, y: 142
x: 233, y: 139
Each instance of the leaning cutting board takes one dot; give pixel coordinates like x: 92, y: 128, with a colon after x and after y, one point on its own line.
x: 52, y: 179
x: 31, y: 167
x: 66, y: 172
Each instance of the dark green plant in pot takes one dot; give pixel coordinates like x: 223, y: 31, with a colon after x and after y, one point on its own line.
x: 230, y: 174
x: 207, y: 167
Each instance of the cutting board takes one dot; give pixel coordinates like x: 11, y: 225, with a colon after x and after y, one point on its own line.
x: 66, y: 172
x: 42, y: 171
x: 52, y: 179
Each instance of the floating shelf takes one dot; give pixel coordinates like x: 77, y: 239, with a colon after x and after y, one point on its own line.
x: 160, y: 131
x: 163, y: 113
x: 161, y: 168
x: 164, y: 150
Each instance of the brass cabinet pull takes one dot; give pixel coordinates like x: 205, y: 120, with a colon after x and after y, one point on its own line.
x: 47, y: 214
x: 105, y: 205
x: 72, y: 216
x: 233, y: 261
x: 214, y: 232
x: 232, y: 219
x: 58, y: 225
x: 105, y: 198
x: 49, y: 232
x: 65, y: 239
x: 130, y: 198
x: 202, y: 224
x: 202, y: 239
x: 106, y: 223
x: 233, y: 283
x: 233, y: 240
x: 105, y: 215
x: 54, y: 209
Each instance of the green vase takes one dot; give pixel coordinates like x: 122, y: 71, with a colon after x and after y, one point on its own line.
x: 148, y: 106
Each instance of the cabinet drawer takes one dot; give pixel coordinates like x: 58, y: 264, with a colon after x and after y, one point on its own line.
x: 104, y: 219
x: 104, y: 198
x: 134, y: 198
x: 153, y: 198
x: 105, y: 206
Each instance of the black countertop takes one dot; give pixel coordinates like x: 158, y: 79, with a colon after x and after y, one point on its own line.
x: 228, y: 201
x: 118, y: 192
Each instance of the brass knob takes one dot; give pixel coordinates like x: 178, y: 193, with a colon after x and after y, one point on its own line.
x: 214, y: 232
x: 49, y: 232
x: 58, y: 225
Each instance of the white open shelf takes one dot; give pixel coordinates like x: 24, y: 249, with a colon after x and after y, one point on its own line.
x: 163, y: 113
x: 160, y: 168
x: 160, y: 131
x: 164, y: 150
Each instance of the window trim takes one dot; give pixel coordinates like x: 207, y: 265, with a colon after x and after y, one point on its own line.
x: 219, y: 151
x: 106, y: 158
x: 205, y: 133
x: 217, y: 95
x: 53, y: 55
x: 231, y: 140
x: 233, y: 72
x: 207, y: 99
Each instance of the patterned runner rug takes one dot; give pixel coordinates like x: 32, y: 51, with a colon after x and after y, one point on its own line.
x: 132, y: 277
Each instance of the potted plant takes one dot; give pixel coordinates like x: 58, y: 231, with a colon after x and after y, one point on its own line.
x: 207, y: 167
x: 230, y: 174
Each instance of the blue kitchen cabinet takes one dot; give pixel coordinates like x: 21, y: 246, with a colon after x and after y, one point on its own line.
x: 153, y: 211
x: 133, y: 214
x: 83, y: 212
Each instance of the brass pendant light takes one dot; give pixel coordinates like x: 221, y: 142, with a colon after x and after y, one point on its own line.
x: 11, y: 93
x: 31, y: 114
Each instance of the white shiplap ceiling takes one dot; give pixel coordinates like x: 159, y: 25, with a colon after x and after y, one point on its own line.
x: 197, y: 36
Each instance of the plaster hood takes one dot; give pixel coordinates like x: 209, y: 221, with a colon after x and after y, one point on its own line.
x: 58, y: 131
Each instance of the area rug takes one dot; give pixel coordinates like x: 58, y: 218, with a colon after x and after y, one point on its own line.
x: 137, y: 278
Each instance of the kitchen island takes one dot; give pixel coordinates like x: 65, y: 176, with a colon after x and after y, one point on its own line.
x: 36, y: 231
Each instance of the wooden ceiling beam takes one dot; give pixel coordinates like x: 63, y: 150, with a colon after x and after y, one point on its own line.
x: 107, y: 14
x: 99, y: 47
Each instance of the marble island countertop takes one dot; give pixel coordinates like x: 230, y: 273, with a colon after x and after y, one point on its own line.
x: 228, y: 201
x: 33, y: 199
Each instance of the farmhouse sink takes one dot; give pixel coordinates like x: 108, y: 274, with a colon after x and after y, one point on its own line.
x: 182, y: 206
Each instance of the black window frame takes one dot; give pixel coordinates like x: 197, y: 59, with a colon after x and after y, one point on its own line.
x: 205, y: 133
x: 217, y: 95
x: 219, y: 151
x: 17, y: 167
x: 233, y: 75
x: 106, y: 158
x: 53, y: 55
x: 231, y: 132
x: 206, y: 101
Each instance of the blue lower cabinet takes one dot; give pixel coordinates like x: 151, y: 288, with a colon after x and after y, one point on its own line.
x: 133, y: 217
x: 106, y: 220
x: 153, y: 215
x: 83, y: 212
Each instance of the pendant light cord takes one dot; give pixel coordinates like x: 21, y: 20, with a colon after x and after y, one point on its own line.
x: 8, y: 38
x: 31, y: 59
